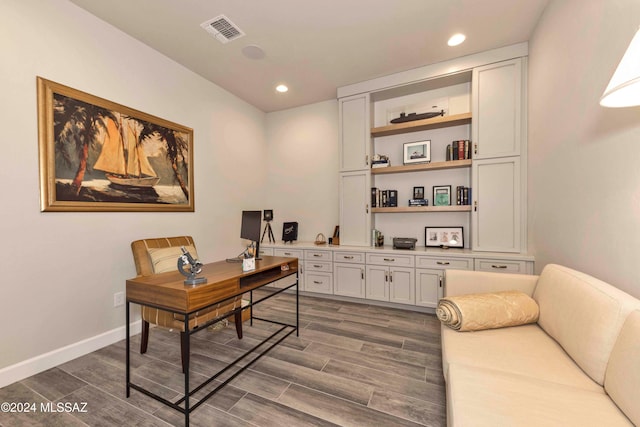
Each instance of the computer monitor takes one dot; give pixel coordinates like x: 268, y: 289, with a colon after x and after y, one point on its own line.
x: 250, y: 230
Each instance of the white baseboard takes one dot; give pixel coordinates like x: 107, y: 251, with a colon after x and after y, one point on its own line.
x: 35, y: 365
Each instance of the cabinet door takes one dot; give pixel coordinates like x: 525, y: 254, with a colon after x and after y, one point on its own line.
x: 348, y: 280
x: 401, y: 285
x: 496, y: 217
x: 497, y: 96
x: 355, y: 131
x: 377, y: 283
x: 428, y: 287
x: 355, y: 219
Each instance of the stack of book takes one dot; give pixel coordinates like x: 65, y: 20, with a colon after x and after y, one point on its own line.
x: 383, y: 198
x: 459, y: 150
x: 463, y: 195
x: 380, y: 161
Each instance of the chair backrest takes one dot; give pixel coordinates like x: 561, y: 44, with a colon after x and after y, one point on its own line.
x: 142, y: 258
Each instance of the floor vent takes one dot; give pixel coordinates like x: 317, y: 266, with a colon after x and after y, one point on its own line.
x: 222, y: 29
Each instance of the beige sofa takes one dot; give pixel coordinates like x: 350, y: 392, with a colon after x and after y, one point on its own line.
x: 579, y: 365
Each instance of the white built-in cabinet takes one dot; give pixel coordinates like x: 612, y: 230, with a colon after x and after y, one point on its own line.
x: 354, y: 132
x: 349, y: 280
x: 355, y: 219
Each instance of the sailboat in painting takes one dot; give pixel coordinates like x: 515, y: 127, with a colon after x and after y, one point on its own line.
x: 122, y: 157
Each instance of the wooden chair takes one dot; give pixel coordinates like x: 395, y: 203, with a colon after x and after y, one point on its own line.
x: 159, y: 255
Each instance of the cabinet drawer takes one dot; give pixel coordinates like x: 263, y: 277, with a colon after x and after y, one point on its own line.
x: 501, y: 266
x: 442, y: 263
x: 295, y: 253
x: 266, y: 251
x: 317, y: 255
x: 311, y: 265
x: 391, y: 259
x: 350, y: 257
x: 318, y: 282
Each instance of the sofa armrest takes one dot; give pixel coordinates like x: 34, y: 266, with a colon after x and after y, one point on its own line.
x: 461, y: 282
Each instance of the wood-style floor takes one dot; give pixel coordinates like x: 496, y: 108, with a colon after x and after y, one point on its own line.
x: 352, y: 365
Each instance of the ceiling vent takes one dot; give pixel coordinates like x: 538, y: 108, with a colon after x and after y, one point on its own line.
x: 222, y: 29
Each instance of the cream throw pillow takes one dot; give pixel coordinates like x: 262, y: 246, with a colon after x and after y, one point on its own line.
x: 166, y: 259
x: 476, y: 312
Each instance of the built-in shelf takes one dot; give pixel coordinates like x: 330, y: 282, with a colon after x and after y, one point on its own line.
x: 424, y: 124
x: 453, y: 164
x: 412, y: 209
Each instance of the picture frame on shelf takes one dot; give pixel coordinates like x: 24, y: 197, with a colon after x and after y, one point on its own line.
x: 289, y: 231
x: 418, y: 192
x: 441, y: 195
x: 444, y: 237
x: 417, y: 152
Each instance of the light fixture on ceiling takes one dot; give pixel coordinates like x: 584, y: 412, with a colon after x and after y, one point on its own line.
x: 282, y: 88
x: 253, y: 51
x: 624, y: 87
x: 456, y: 39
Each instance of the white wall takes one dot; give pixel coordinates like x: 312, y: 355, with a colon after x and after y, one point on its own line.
x: 60, y: 270
x: 584, y: 160
x: 302, y: 183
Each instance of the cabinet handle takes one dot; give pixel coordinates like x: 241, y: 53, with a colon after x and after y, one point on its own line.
x: 301, y: 270
x: 498, y: 266
x: 443, y: 262
x: 366, y: 160
x: 317, y: 266
x: 391, y: 277
x: 362, y: 274
x: 440, y: 280
x: 386, y: 276
x: 367, y: 208
x: 475, y: 148
x: 317, y: 255
x: 287, y: 253
x: 348, y: 257
x: 475, y: 206
x: 390, y: 259
x: 317, y: 283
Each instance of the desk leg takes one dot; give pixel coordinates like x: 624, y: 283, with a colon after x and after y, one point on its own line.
x: 251, y: 308
x: 128, y: 345
x: 297, y: 304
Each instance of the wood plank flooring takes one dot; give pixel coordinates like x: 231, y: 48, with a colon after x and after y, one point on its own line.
x: 352, y: 365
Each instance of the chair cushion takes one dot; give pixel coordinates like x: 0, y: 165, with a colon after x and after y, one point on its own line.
x: 166, y: 259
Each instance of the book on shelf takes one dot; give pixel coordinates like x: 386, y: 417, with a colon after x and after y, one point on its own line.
x: 383, y: 198
x: 375, y: 165
x: 463, y: 195
x: 458, y: 150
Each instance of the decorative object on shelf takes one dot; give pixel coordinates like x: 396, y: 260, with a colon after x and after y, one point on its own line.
x: 106, y: 166
x: 194, y: 268
x: 441, y: 195
x: 444, y: 237
x: 418, y: 202
x: 459, y: 150
x: 320, y: 239
x: 417, y: 152
x: 335, y: 240
x: 377, y: 238
x: 404, y: 243
x: 418, y: 192
x: 414, y: 116
x: 380, y: 161
x: 289, y: 231
x: 268, y: 217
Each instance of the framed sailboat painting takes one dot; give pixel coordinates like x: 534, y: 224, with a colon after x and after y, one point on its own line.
x: 96, y: 155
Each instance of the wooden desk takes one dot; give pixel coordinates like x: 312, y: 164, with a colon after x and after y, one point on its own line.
x: 225, y: 280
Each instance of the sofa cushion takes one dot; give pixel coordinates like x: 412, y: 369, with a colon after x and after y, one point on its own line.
x: 166, y: 259
x: 583, y: 314
x: 486, y: 397
x: 622, y: 380
x: 490, y: 310
x: 525, y: 350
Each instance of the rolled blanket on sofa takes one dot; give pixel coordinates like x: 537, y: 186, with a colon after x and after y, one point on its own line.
x: 475, y: 312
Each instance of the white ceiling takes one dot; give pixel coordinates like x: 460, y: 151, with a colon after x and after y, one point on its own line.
x: 316, y: 46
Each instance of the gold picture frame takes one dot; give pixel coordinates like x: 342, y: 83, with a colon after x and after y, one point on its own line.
x: 100, y: 156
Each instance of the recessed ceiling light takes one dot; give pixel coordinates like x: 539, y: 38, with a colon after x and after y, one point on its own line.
x: 456, y: 39
x: 282, y: 88
x: 253, y: 51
